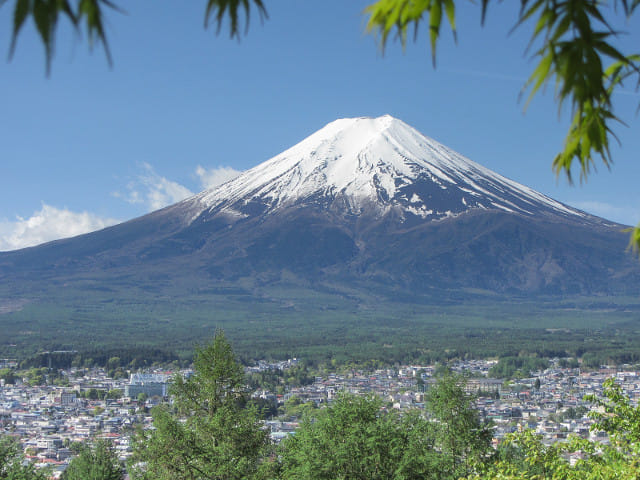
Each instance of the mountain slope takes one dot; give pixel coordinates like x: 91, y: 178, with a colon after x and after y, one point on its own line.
x: 368, y: 205
x: 351, y: 164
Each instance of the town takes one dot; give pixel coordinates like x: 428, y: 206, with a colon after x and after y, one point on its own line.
x: 49, y: 419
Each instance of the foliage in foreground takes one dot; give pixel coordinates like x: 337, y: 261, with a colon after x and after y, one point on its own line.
x: 523, y: 455
x: 208, y: 431
x: 98, y: 462
x: 355, y: 438
x: 11, y: 463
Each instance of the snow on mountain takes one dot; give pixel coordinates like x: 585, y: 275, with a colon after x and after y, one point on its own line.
x: 381, y: 163
x: 359, y: 206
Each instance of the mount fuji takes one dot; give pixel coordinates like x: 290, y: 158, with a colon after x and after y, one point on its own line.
x: 375, y: 166
x: 362, y: 206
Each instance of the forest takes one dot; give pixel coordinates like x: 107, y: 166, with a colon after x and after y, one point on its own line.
x: 596, y: 332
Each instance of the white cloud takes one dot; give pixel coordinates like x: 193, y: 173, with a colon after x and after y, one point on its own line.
x: 50, y: 223
x: 153, y: 191
x: 213, y: 177
x: 148, y: 189
x: 626, y: 215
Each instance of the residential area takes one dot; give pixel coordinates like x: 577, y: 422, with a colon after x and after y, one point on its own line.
x: 48, y: 420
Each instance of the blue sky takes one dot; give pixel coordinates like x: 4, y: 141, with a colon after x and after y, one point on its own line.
x: 182, y: 108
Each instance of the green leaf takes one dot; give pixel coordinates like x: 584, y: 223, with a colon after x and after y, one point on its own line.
x: 435, y: 18
x: 45, y: 18
x: 450, y: 10
x: 634, y: 239
x: 539, y: 76
x: 20, y: 13
x: 91, y: 12
x: 387, y: 16
x: 45, y: 15
x: 483, y: 16
x: 219, y: 9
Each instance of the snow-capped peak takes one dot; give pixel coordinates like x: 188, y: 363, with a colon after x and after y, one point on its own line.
x: 380, y: 162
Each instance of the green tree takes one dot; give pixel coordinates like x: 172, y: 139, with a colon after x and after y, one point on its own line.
x: 208, y: 432
x: 11, y: 465
x: 616, y: 415
x: 113, y: 363
x: 294, y: 407
x: 349, y: 439
x: 92, y: 394
x: 517, y: 367
x: 36, y: 376
x: 267, y: 408
x: 524, y: 455
x: 8, y: 375
x: 461, y: 437
x: 114, y: 393
x: 98, y: 462
x: 355, y: 439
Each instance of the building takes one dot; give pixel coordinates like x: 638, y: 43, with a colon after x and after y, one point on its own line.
x: 150, y: 384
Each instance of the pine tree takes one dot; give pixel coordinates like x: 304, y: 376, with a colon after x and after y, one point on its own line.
x: 208, y: 432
